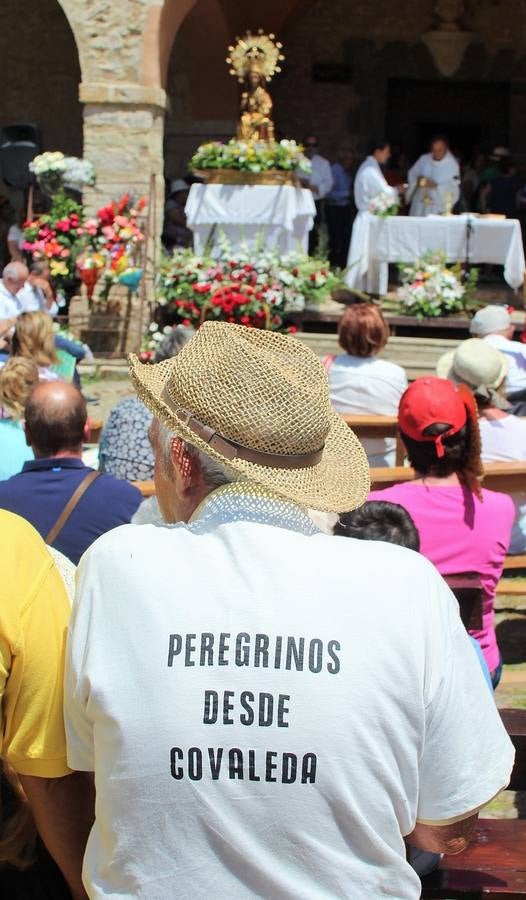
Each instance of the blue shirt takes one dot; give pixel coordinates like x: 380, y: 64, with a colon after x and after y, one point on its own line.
x: 13, y: 448
x: 41, y: 490
x: 340, y: 193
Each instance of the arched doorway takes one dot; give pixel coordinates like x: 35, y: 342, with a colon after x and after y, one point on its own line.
x: 40, y: 73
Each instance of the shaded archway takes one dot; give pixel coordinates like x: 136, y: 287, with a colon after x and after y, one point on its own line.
x: 40, y: 73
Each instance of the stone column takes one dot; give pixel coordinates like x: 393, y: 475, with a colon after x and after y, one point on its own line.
x: 123, y: 138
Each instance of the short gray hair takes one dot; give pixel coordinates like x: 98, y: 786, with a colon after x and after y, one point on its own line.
x: 214, y: 473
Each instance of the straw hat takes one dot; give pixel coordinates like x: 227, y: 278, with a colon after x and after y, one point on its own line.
x: 479, y: 365
x: 258, y: 402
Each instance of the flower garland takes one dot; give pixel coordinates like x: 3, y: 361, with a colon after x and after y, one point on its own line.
x: 430, y: 288
x: 258, y: 290
x: 251, y: 156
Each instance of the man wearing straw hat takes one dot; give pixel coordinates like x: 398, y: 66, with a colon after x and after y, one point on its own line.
x: 268, y: 710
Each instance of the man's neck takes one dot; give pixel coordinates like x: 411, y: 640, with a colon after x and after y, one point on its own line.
x: 5, y: 287
x: 491, y: 413
x: 75, y: 453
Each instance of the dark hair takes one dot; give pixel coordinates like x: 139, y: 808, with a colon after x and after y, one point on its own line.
x: 363, y: 330
x: 378, y: 520
x: 38, y: 268
x: 377, y: 144
x: 440, y: 137
x: 461, y: 454
x: 53, y: 428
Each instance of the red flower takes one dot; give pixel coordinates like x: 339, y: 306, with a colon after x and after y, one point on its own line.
x: 123, y: 203
x: 292, y: 329
x: 106, y: 215
x: 186, y: 322
x: 63, y: 225
x: 245, y: 320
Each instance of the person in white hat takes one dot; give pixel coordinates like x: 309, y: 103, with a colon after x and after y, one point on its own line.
x: 268, y: 710
x: 502, y: 436
x: 493, y: 324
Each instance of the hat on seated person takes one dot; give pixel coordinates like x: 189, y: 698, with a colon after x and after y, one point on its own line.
x: 178, y: 185
x: 262, y: 411
x: 480, y: 366
x: 490, y: 320
x: 432, y: 401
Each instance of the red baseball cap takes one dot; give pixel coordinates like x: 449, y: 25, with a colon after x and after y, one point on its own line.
x: 429, y: 401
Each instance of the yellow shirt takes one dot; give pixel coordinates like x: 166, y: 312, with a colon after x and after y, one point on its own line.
x: 34, y: 613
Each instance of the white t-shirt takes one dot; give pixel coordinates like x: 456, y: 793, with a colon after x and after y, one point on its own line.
x: 321, y: 176
x: 263, y: 718
x: 516, y: 356
x: 10, y: 305
x: 504, y: 440
x: 368, y: 387
x: 33, y: 299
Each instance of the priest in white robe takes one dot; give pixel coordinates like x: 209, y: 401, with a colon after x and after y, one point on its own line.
x: 434, y: 181
x: 368, y: 184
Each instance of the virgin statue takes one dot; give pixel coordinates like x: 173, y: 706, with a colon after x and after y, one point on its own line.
x: 254, y: 60
x: 255, y: 123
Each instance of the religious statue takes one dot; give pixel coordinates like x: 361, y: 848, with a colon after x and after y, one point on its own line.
x: 254, y: 60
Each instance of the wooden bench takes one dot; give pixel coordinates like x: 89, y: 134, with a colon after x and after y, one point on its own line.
x: 494, y: 864
x: 377, y: 427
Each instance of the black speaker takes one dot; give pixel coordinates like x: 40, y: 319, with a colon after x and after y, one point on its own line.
x: 19, y: 144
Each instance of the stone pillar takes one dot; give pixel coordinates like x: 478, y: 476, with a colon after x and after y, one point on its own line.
x: 123, y: 138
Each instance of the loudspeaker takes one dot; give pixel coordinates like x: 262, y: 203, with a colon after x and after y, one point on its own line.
x: 19, y: 144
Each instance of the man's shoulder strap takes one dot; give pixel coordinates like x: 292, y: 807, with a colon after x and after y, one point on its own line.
x: 79, y: 491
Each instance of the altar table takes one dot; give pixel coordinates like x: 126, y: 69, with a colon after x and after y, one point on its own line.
x: 377, y: 242
x: 271, y: 216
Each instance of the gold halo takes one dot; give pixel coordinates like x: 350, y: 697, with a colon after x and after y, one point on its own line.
x: 260, y: 51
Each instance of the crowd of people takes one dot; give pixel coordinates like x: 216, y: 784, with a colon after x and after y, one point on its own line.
x: 231, y: 667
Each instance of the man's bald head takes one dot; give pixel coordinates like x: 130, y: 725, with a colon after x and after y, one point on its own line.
x: 14, y: 276
x: 56, y: 416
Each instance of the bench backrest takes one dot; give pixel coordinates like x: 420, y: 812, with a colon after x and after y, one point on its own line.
x: 507, y: 477
x: 377, y: 427
x: 515, y: 724
x: 467, y: 588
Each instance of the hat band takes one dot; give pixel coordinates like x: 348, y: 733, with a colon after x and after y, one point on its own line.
x: 231, y: 450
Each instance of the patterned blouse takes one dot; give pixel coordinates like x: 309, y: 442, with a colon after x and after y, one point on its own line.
x: 124, y: 449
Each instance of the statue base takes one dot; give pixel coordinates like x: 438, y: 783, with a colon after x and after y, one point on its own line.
x: 238, y: 176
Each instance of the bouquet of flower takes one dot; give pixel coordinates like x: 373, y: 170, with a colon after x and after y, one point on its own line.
x: 383, y: 205
x: 251, y: 156
x: 430, y: 288
x: 115, y: 234
x: 54, y: 172
x: 56, y: 239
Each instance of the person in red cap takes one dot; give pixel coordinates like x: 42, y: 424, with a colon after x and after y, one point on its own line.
x: 463, y: 527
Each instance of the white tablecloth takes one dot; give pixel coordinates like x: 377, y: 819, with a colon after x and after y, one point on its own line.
x: 377, y: 242
x: 282, y: 214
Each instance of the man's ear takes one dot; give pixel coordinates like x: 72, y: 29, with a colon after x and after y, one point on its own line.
x: 87, y: 432
x: 186, y: 467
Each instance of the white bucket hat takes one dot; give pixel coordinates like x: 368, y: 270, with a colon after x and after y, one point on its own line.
x: 479, y: 365
x: 489, y: 320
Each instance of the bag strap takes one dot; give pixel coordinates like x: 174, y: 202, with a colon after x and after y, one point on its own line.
x: 79, y: 492
x: 328, y: 361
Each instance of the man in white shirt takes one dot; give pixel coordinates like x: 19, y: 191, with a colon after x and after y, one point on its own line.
x: 268, y: 710
x: 14, y: 277
x: 36, y: 294
x: 434, y: 181
x: 320, y: 182
x: 369, y: 183
x: 493, y: 324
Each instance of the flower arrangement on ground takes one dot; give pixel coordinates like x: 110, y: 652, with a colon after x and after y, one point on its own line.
x: 251, y: 156
x: 258, y: 289
x: 431, y: 288
x: 102, y: 246
x: 383, y: 206
x: 54, y: 171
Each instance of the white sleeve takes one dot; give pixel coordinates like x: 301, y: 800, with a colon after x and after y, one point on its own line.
x: 467, y: 756
x: 412, y: 177
x: 327, y: 179
x: 79, y: 727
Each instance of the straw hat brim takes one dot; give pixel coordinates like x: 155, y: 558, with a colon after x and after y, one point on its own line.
x: 445, y: 369
x: 340, y: 482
